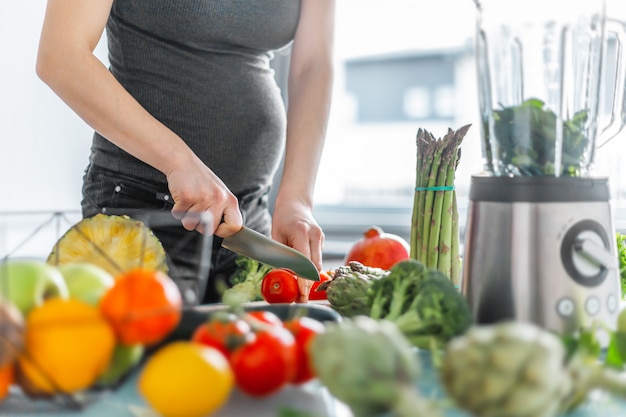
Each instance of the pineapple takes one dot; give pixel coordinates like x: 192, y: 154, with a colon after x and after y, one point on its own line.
x: 115, y: 243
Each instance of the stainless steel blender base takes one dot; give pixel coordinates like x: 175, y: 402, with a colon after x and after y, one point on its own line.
x: 543, y: 252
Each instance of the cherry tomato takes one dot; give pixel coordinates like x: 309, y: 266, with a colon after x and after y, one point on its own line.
x: 265, y: 317
x: 319, y: 295
x: 304, y: 329
x: 265, y: 364
x: 223, y: 331
x: 280, y: 285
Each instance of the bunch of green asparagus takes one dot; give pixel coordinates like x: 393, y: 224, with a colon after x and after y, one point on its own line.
x: 435, y: 220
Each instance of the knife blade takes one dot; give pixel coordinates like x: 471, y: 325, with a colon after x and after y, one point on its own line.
x: 261, y: 248
x: 257, y: 246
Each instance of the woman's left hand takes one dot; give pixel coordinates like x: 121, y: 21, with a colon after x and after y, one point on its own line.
x: 293, y: 224
x: 310, y: 91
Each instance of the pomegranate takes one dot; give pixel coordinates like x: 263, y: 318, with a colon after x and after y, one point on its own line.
x: 378, y: 249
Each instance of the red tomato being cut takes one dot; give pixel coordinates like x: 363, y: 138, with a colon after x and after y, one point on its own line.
x: 280, y: 285
x: 319, y: 295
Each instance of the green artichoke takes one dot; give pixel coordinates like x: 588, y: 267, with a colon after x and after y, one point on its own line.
x: 348, y: 295
x: 513, y: 369
x: 516, y: 369
x: 347, y: 292
x: 370, y: 366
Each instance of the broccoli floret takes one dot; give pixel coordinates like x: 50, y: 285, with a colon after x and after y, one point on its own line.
x: 408, y: 267
x: 621, y: 255
x: 245, y: 281
x: 437, y: 314
x: 398, y: 289
x: 248, y: 269
x: 422, y: 302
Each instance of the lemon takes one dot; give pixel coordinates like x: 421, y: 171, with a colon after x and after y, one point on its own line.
x: 186, y: 379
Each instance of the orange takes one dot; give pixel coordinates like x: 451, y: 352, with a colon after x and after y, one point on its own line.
x: 7, y: 377
x: 68, y: 345
x: 143, y: 306
x: 186, y: 379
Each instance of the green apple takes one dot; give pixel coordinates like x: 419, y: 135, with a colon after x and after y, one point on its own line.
x: 86, y: 282
x: 125, y: 357
x: 28, y: 282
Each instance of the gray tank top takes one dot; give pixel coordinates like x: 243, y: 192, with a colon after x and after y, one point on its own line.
x: 201, y: 67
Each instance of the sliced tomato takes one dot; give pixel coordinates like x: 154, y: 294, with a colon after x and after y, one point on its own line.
x: 280, y: 285
x: 223, y: 331
x: 304, y: 330
x: 265, y: 364
x: 319, y: 295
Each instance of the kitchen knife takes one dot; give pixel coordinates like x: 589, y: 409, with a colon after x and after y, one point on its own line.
x: 257, y: 246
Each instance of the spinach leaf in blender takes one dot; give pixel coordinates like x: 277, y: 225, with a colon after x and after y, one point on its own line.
x: 526, y: 140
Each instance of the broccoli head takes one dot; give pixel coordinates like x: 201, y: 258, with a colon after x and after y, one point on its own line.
x: 621, y: 256
x: 408, y: 269
x: 437, y: 313
x: 391, y: 296
x: 245, y: 281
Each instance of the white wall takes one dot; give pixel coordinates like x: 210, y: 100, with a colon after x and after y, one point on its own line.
x: 44, y: 146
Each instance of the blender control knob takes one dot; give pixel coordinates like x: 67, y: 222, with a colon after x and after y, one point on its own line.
x: 589, y: 245
x: 585, y: 253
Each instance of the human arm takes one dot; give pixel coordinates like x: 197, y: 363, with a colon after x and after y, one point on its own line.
x: 309, y: 89
x: 66, y: 63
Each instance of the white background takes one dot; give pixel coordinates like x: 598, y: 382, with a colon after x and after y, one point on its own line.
x: 44, y: 146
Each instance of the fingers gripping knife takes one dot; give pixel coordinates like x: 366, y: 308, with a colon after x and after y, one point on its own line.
x: 261, y: 248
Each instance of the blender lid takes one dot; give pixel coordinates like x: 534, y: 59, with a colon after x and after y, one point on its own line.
x: 539, y: 189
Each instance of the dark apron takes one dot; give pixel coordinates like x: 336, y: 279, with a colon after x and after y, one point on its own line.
x: 108, y: 192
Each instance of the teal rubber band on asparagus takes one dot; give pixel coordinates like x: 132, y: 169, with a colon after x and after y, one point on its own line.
x: 442, y: 188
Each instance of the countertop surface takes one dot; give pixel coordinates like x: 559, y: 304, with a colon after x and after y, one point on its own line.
x: 311, y: 398
x: 126, y: 402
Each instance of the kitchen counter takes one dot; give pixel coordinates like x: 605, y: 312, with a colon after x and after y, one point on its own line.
x: 126, y: 402
x: 598, y: 404
x: 311, y: 398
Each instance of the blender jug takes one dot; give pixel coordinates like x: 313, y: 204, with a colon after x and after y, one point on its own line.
x: 539, y: 64
x: 539, y: 239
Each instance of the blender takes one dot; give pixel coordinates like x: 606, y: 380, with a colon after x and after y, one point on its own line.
x: 540, y: 243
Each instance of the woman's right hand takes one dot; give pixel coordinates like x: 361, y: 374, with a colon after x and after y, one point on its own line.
x: 197, y: 190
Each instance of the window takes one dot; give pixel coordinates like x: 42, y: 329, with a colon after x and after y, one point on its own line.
x: 398, y: 69
x: 417, y: 103
x: 400, y: 87
x: 402, y: 65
